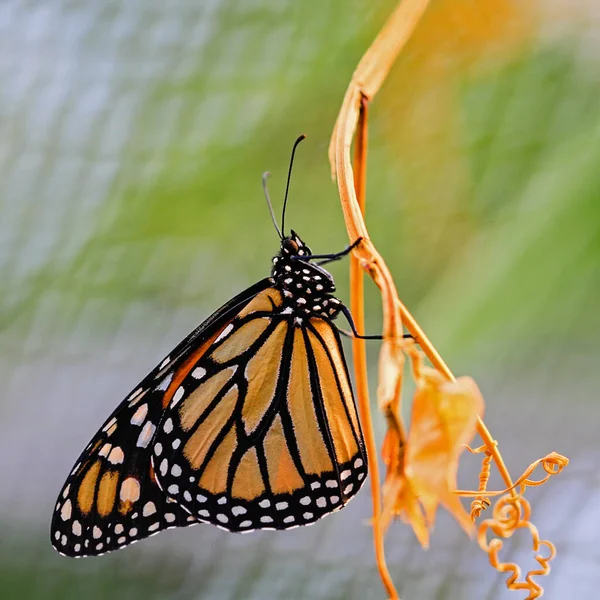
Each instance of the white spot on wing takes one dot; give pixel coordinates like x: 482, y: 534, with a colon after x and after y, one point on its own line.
x: 139, y: 415
x: 168, y: 425
x: 133, y: 396
x: 198, y: 373
x: 105, y: 450
x: 109, y: 424
x: 116, y: 456
x: 224, y: 333
x: 238, y: 510
x: 146, y: 435
x: 130, y: 490
x: 164, y: 384
x: 149, y: 509
x: 264, y: 503
x: 177, y: 396
x: 65, y: 511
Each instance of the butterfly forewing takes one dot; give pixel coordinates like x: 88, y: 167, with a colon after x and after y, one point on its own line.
x: 112, y: 497
x: 263, y: 432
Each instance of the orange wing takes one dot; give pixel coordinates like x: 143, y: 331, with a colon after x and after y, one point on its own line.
x: 112, y: 497
x: 262, y: 431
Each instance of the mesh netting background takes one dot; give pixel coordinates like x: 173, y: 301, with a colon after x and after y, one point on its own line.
x: 133, y: 137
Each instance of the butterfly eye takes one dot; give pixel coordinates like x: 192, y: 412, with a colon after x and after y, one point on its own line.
x: 290, y: 245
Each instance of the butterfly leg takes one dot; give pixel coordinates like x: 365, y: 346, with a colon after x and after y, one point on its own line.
x: 331, y: 257
x: 354, y: 333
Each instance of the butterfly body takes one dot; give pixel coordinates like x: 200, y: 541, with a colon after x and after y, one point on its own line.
x: 307, y: 288
x: 249, y: 423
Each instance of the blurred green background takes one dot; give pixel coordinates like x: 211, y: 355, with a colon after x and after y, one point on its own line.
x: 134, y: 135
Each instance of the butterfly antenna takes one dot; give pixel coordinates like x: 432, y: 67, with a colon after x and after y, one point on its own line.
x: 287, y: 186
x: 266, y: 176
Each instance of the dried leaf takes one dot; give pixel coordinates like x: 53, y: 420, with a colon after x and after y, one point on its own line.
x: 391, y: 365
x: 444, y: 419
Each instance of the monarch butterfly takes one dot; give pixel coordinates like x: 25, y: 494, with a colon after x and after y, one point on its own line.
x: 249, y: 423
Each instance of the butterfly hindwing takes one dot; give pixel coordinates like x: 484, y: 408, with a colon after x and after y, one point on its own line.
x: 263, y: 432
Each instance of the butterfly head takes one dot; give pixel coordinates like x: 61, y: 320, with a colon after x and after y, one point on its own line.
x: 292, y: 245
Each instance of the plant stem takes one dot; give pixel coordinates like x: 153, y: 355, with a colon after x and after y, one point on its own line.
x: 360, y: 356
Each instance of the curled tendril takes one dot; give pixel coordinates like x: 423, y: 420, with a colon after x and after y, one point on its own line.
x: 552, y: 464
x: 481, y: 502
x: 510, y: 514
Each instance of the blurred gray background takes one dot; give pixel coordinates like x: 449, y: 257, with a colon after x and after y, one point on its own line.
x: 133, y: 137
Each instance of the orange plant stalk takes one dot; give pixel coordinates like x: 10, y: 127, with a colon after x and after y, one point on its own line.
x: 421, y: 466
x: 359, y: 354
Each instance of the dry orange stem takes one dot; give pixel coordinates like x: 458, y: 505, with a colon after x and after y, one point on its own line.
x: 360, y: 356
